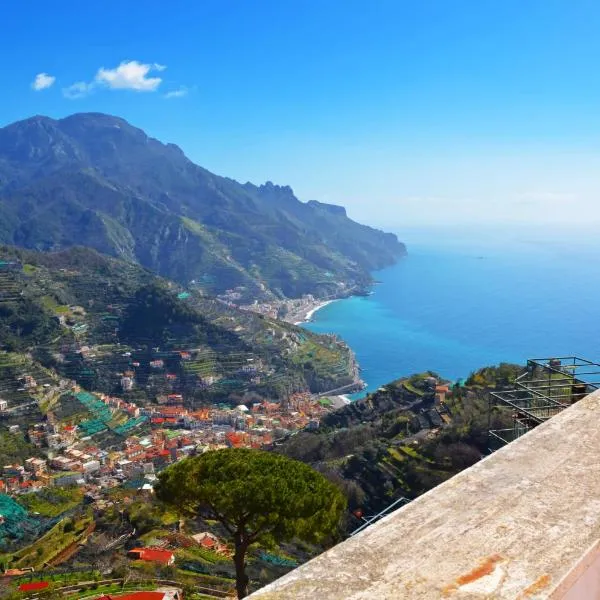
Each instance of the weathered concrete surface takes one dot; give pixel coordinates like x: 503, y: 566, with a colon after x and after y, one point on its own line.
x: 513, y: 526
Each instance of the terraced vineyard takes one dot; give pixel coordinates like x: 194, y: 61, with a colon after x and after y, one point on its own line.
x: 401, y: 440
x: 52, y: 543
x: 19, y: 525
x: 103, y: 418
x: 81, y: 313
x: 29, y: 389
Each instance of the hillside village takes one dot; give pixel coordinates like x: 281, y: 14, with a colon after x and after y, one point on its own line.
x: 91, y: 411
x: 101, y: 391
x: 100, y: 440
x: 77, y: 454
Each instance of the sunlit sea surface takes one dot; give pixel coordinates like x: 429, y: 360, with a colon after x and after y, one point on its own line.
x: 459, y: 302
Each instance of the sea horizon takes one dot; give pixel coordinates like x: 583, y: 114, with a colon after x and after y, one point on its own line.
x: 460, y: 302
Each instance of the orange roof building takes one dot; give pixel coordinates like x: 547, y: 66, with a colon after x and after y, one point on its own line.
x: 34, y: 586
x: 158, y: 555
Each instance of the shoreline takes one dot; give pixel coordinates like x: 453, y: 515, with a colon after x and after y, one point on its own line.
x: 307, y: 316
x: 339, y: 401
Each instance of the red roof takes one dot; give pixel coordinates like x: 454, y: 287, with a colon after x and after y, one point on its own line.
x: 172, y: 410
x: 33, y: 586
x: 153, y: 554
x: 137, y: 596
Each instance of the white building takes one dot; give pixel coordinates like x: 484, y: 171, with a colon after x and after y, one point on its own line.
x: 127, y: 384
x: 92, y: 466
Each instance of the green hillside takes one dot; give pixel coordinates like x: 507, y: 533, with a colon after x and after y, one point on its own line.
x: 95, y: 319
x: 94, y: 180
x: 403, y: 439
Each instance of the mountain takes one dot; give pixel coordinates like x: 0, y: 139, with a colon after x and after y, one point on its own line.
x: 94, y: 180
x: 54, y: 304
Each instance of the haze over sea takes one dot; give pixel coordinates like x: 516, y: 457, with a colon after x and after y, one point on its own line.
x: 461, y: 301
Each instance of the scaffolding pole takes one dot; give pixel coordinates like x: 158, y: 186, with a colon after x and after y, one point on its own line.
x: 546, y: 387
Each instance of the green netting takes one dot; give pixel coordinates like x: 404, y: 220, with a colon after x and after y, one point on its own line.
x: 98, y: 409
x: 17, y: 523
x: 85, y: 397
x: 278, y: 560
x: 129, y: 425
x: 103, y: 417
x: 133, y: 484
x: 92, y: 426
x: 10, y: 509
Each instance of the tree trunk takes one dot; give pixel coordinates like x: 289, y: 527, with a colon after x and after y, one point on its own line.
x: 239, y: 559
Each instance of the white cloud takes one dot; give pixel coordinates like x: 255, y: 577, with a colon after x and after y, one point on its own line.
x: 130, y: 75
x: 42, y: 81
x: 178, y: 93
x: 78, y: 90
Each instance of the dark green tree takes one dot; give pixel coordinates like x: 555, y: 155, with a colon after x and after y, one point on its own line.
x: 258, y: 496
x: 155, y: 314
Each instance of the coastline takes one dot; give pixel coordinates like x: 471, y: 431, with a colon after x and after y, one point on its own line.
x: 305, y: 315
x: 345, y: 399
x: 339, y: 401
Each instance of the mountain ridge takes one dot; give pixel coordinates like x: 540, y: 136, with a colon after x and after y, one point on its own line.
x: 93, y: 179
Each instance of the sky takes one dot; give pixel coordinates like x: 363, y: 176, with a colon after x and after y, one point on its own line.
x: 410, y: 113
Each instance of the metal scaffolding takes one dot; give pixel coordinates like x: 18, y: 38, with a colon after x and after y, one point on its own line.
x: 371, y: 519
x: 545, y: 388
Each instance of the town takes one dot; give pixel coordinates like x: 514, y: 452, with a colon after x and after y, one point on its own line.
x: 89, y: 454
x: 150, y: 438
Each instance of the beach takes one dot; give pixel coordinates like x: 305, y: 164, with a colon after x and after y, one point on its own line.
x: 292, y: 310
x: 305, y: 313
x: 340, y: 401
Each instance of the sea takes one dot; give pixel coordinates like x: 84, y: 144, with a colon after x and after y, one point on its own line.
x: 460, y: 301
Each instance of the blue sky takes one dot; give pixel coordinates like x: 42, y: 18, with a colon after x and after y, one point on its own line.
x: 409, y: 113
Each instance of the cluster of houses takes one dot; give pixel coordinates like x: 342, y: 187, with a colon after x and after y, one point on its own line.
x: 170, y: 433
x: 263, y: 419
x: 233, y: 295
x: 281, y: 308
x: 164, y: 556
x: 119, y: 440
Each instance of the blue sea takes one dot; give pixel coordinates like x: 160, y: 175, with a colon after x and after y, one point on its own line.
x: 461, y: 301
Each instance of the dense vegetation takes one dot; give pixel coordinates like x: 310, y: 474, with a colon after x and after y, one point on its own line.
x: 52, y: 304
x: 52, y: 502
x: 258, y: 497
x: 400, y: 440
x: 156, y: 317
x: 94, y: 180
x: 15, y: 449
